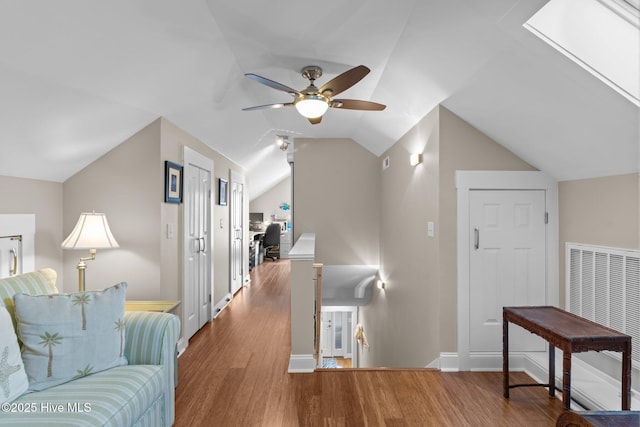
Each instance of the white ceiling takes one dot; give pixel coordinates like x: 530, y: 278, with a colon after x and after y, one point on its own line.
x: 78, y: 77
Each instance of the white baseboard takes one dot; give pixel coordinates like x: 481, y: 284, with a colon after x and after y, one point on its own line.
x: 182, y: 346
x: 448, y: 362
x: 221, y: 305
x: 481, y: 362
x: 301, y: 363
x: 591, y: 388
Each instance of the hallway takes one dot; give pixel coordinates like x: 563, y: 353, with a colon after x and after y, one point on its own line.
x: 234, y: 373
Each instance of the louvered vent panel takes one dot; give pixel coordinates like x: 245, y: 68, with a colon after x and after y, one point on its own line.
x: 604, y: 286
x: 601, y: 294
x: 574, y: 280
x: 587, y: 285
x: 616, y: 291
x: 632, y: 306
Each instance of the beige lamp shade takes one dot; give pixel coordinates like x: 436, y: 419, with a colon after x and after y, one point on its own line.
x: 91, y: 232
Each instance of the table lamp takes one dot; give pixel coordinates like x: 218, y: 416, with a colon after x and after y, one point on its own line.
x: 91, y: 232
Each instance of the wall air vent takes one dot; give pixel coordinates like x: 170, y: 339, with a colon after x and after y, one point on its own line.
x: 603, y: 285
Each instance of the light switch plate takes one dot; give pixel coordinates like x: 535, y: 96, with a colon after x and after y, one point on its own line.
x: 430, y: 229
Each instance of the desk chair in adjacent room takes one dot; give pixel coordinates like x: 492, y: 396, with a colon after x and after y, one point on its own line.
x: 271, y: 241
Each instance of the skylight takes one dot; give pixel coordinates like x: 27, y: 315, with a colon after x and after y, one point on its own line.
x: 602, y: 36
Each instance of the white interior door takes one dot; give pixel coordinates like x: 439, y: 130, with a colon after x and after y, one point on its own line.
x: 507, y: 264
x: 197, y: 289
x: 336, y: 334
x: 237, y: 232
x: 326, y: 334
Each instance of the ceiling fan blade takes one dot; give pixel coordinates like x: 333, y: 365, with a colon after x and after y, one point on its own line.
x: 315, y: 121
x: 272, y: 84
x: 356, y: 104
x: 268, y: 107
x: 344, y: 81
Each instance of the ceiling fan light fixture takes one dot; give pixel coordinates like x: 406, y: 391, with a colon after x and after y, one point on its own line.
x: 312, y: 106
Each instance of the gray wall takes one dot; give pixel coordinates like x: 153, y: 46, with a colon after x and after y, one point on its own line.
x: 337, y: 196
x: 44, y: 199
x: 599, y: 211
x: 414, y: 319
x: 127, y: 184
x: 462, y: 147
x: 173, y: 139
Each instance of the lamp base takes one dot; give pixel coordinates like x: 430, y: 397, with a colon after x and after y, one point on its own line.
x: 82, y: 266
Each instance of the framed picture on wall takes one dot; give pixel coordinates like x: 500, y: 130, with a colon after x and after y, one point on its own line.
x: 172, y: 182
x: 222, y: 192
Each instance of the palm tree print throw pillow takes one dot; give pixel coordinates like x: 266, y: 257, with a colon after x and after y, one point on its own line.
x: 67, y: 336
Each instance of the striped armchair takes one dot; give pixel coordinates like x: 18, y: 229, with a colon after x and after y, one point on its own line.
x: 140, y: 393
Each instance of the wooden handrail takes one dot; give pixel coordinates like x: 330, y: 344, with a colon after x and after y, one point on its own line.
x: 318, y: 314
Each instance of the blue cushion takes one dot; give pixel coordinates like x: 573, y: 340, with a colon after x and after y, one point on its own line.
x: 120, y: 396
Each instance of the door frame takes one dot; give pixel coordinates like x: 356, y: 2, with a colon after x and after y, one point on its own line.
x: 354, y: 321
x: 467, y: 181
x: 235, y: 177
x: 190, y: 156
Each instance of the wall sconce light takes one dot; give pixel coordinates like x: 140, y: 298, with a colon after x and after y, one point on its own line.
x: 283, y: 142
x: 415, y: 159
x: 380, y: 284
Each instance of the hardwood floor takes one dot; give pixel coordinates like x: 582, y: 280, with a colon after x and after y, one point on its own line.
x: 234, y: 373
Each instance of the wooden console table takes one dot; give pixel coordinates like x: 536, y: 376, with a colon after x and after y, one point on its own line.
x: 571, y: 334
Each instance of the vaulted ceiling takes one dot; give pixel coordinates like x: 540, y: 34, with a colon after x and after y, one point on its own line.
x: 78, y: 77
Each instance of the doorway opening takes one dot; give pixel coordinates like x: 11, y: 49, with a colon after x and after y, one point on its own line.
x: 337, y: 342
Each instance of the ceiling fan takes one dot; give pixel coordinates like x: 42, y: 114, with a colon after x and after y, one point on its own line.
x: 312, y: 102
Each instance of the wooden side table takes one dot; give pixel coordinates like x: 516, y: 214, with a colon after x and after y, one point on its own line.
x: 571, y: 334
x: 159, y: 306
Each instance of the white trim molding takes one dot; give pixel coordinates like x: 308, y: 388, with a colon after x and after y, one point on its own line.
x: 182, y: 346
x: 591, y: 388
x: 466, y: 181
x: 221, y: 305
x: 301, y: 363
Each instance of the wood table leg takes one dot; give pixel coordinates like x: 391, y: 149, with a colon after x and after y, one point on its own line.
x: 552, y: 371
x: 505, y: 358
x: 626, y: 378
x: 566, y: 380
